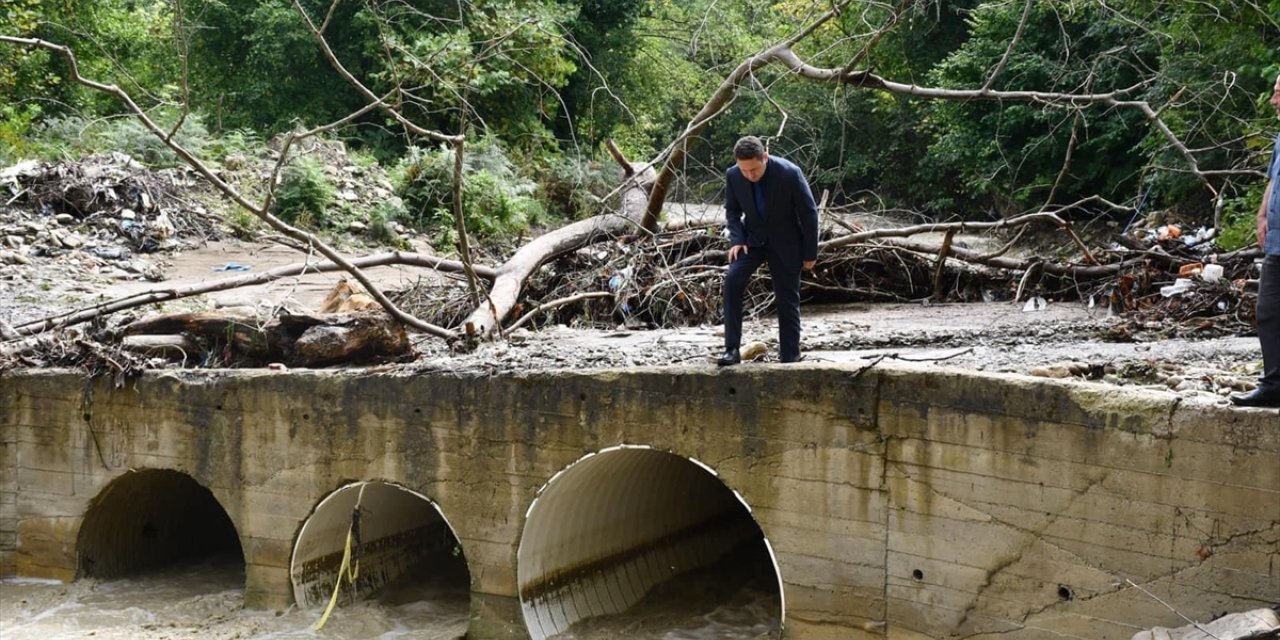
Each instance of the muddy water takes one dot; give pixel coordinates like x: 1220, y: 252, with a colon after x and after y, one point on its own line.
x: 204, y: 601
x: 735, y: 598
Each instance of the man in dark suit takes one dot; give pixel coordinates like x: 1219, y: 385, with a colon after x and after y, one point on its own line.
x: 1268, y: 392
x: 772, y: 218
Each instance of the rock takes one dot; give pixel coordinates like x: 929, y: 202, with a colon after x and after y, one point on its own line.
x: 128, y: 214
x: 754, y: 351
x: 348, y: 195
x: 1051, y: 371
x: 357, y: 227
x: 65, y: 218
x: 71, y: 240
x: 14, y: 242
x: 1259, y: 623
x: 10, y: 257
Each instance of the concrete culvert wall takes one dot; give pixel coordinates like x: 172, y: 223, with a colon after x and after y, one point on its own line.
x: 613, y: 526
x: 403, y: 538
x: 148, y: 519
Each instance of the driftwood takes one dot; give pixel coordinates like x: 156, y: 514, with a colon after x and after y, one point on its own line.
x: 298, y: 340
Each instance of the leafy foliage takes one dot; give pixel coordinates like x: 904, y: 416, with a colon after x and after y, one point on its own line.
x: 305, y: 193
x: 495, y: 199
x: 546, y: 82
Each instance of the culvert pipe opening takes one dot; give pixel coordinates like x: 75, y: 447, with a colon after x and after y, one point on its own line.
x: 648, y: 542
x: 408, y: 555
x: 149, y: 519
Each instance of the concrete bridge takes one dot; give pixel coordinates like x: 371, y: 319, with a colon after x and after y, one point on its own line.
x: 885, y: 502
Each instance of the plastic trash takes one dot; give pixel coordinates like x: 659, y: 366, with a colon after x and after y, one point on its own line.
x: 1035, y: 303
x: 1201, y: 235
x: 232, y: 266
x: 1211, y: 273
x: 1180, y: 285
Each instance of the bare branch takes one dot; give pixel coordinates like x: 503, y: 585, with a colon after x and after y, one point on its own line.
x: 1008, y: 52
x: 369, y: 95
x: 719, y: 101
x: 174, y: 293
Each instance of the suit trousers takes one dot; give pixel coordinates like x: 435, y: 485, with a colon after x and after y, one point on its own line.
x: 785, y: 273
x: 1269, y: 322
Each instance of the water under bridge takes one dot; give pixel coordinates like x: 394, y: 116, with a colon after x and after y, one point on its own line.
x: 883, y: 501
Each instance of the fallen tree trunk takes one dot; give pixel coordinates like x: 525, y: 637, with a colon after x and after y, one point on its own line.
x: 299, y: 340
x: 509, y: 278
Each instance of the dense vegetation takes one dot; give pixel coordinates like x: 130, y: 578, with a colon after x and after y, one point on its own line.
x: 543, y: 83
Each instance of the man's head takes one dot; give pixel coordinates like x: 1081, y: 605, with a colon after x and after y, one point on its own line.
x: 751, y: 157
x: 1275, y: 95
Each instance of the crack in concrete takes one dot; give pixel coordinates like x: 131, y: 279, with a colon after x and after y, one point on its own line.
x: 1031, y: 537
x: 1036, y: 535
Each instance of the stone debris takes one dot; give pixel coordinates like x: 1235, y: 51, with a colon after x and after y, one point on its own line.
x: 1258, y: 624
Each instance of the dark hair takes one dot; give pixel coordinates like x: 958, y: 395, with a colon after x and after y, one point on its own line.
x: 748, y: 147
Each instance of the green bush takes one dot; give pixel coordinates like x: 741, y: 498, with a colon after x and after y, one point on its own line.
x: 496, y: 200
x: 16, y: 123
x: 74, y: 136
x: 304, y: 195
x: 382, y: 224
x: 572, y: 189
x: 1240, y: 220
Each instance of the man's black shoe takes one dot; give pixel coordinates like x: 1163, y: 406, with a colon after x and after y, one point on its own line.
x: 730, y: 357
x: 1260, y: 397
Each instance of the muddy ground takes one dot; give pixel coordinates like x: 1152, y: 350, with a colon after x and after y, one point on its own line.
x: 94, y: 234
x: 1065, y: 339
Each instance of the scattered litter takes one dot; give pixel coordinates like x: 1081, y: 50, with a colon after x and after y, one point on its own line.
x: 1036, y: 303
x: 233, y: 266
x: 1179, y: 286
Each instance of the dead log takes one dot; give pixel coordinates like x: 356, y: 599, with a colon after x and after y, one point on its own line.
x: 354, y: 338
x: 299, y: 340
x: 232, y: 337
x: 1015, y: 264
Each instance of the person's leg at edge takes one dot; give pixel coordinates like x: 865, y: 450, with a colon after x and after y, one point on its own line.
x: 1268, y: 392
x: 735, y: 287
x: 786, y: 291
x: 1269, y: 323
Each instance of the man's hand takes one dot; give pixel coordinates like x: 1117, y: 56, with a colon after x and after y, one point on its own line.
x: 735, y: 249
x: 1262, y: 213
x: 807, y: 265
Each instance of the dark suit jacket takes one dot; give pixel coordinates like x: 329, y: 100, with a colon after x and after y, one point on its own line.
x: 790, y: 226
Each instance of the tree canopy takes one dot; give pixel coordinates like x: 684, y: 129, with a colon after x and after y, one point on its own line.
x: 553, y: 79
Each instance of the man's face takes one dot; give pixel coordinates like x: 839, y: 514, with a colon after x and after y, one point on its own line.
x: 753, y: 168
x: 1275, y: 96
